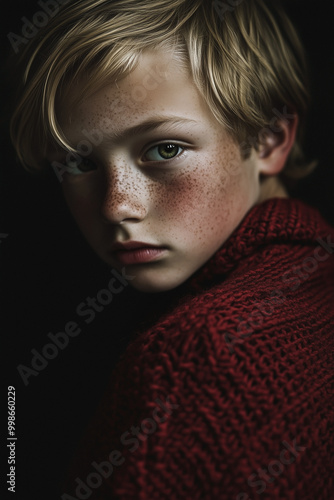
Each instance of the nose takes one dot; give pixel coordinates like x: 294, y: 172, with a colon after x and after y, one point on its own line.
x: 124, y: 194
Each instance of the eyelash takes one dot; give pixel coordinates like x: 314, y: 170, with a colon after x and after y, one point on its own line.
x: 151, y: 162
x: 84, y: 161
x: 164, y: 160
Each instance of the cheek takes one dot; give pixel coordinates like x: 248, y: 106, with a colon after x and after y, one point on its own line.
x: 201, y: 199
x: 81, y: 205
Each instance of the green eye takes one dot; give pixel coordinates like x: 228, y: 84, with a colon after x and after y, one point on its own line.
x: 80, y: 166
x: 163, y: 152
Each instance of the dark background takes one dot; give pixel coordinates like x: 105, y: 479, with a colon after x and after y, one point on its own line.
x: 47, y: 269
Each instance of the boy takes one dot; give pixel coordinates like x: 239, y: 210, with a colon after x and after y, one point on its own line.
x: 169, y: 124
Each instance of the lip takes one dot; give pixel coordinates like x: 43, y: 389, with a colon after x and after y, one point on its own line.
x: 132, y: 245
x: 136, y: 252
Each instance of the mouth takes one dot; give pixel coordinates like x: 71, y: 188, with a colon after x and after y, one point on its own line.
x: 134, y: 252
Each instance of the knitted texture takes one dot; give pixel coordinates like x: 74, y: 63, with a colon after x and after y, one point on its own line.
x: 229, y: 396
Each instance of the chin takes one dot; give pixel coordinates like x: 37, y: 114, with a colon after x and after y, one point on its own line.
x: 156, y: 284
x: 149, y: 287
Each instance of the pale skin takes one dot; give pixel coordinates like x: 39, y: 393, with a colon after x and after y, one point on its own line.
x: 189, y: 203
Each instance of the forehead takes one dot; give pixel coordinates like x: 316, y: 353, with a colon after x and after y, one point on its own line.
x: 159, y: 85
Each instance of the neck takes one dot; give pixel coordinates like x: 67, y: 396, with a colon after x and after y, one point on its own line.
x: 272, y: 187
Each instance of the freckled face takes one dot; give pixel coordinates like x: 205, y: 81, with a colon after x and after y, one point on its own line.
x: 182, y: 187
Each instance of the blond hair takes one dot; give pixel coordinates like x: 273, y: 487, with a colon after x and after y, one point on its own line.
x: 245, y: 58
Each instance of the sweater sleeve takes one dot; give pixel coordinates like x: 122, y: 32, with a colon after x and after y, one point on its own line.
x: 228, y: 398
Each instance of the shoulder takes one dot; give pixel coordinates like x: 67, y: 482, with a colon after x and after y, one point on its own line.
x: 272, y: 282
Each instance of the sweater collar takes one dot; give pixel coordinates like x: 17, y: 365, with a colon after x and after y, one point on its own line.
x: 277, y: 220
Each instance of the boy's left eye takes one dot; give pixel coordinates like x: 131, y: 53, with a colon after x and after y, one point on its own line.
x: 75, y: 167
x: 165, y: 151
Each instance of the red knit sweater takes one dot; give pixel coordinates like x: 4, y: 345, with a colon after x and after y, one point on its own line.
x: 229, y: 396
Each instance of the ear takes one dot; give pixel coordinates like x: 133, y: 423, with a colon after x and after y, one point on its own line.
x: 275, y: 145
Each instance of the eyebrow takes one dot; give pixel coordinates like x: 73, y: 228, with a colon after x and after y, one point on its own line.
x: 148, y: 126
x: 142, y: 128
